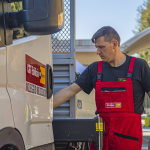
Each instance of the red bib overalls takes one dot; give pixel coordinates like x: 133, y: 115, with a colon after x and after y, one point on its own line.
x: 115, y: 104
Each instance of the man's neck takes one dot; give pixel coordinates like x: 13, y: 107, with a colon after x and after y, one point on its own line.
x: 119, y: 59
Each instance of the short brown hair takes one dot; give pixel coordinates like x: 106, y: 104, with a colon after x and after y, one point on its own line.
x: 109, y: 34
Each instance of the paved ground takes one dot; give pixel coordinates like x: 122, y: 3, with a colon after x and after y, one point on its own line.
x: 146, y: 137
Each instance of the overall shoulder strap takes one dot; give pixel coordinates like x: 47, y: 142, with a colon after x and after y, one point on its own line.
x: 99, y: 73
x: 130, y: 70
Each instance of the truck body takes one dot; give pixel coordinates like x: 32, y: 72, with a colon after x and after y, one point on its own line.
x: 82, y: 105
x: 26, y: 82
x: 26, y: 110
x: 30, y: 113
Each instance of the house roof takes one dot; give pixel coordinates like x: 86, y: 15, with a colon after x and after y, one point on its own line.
x: 137, y: 43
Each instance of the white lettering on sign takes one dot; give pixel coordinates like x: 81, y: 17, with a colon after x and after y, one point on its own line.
x: 113, y: 105
x: 29, y: 68
x: 32, y: 88
x: 41, y: 91
x: 33, y: 70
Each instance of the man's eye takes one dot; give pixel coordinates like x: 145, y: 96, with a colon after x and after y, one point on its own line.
x: 101, y: 46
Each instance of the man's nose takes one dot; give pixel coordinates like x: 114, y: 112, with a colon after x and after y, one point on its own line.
x: 98, y: 51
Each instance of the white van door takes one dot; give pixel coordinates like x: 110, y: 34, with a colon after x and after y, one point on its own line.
x: 6, y: 117
x: 26, y: 75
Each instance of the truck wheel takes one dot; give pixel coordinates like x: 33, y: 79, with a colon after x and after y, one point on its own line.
x: 11, y: 139
x: 9, y: 147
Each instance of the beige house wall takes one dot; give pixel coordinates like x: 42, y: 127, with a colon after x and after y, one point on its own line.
x: 86, y: 58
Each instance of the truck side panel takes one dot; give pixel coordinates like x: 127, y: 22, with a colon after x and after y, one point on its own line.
x: 33, y: 113
x: 6, y: 117
x: 63, y: 47
x: 85, y: 105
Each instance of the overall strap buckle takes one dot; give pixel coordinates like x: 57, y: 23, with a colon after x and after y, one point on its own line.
x: 99, y: 75
x: 129, y: 74
x: 130, y: 71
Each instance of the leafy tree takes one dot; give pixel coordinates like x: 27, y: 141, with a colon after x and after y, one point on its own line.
x: 143, y: 21
x: 145, y: 54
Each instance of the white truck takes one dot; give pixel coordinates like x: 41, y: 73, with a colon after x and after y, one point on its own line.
x: 26, y: 83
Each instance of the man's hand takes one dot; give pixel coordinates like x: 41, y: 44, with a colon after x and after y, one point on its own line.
x: 63, y: 95
x: 149, y: 144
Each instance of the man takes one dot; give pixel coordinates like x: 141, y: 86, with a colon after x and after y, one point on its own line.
x: 120, y: 83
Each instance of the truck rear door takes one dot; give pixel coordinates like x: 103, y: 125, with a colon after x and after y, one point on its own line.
x: 26, y: 84
x: 6, y: 117
x: 33, y: 112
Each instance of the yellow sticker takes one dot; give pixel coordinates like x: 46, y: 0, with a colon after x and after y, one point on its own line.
x: 60, y: 19
x: 121, y: 79
x: 100, y: 126
x: 42, y: 76
x: 118, y: 105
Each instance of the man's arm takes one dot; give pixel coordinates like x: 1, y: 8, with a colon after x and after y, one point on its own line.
x: 63, y: 95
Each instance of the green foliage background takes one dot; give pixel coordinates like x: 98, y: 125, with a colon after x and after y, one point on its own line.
x: 18, y: 33
x: 143, y: 22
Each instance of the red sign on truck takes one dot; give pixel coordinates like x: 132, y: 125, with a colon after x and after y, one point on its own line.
x: 35, y: 76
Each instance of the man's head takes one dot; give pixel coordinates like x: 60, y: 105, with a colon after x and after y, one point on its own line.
x: 108, y: 33
x: 107, y: 42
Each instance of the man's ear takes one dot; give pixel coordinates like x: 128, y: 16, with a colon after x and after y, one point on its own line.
x: 115, y: 43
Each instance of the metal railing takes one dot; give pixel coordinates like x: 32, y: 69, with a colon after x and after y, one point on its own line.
x: 84, y: 43
x: 61, y: 40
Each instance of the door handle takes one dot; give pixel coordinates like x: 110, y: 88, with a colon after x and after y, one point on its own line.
x: 49, y: 81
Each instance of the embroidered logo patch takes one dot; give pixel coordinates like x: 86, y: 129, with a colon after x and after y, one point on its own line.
x: 121, y: 79
x: 113, y: 105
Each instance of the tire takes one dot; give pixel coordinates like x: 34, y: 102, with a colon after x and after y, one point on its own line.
x: 11, y: 139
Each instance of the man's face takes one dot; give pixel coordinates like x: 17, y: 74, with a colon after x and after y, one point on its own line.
x: 104, y: 49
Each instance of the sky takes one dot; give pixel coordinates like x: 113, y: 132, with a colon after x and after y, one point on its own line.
x: 93, y: 14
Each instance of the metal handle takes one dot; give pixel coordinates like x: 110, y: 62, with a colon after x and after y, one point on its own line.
x: 49, y: 81
x: 100, y: 125
x: 99, y: 130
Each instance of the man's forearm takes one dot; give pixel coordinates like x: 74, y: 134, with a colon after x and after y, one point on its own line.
x: 63, y: 95
x: 60, y: 97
